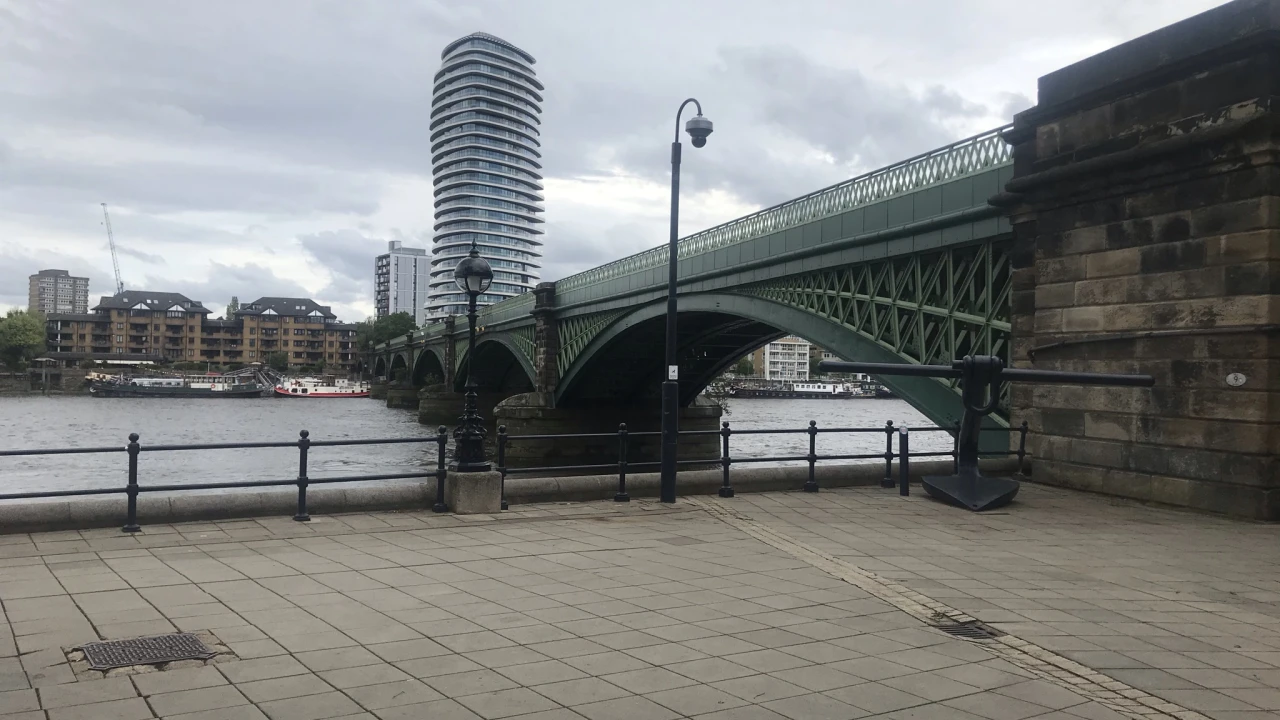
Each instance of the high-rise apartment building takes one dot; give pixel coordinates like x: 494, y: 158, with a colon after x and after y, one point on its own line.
x: 402, y: 279
x: 487, y: 169
x: 56, y: 291
x: 783, y: 359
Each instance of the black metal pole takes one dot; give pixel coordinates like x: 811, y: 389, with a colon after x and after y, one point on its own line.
x: 1022, y: 446
x: 671, y: 385
x: 304, y: 442
x: 811, y: 485
x: 726, y: 490
x: 131, y: 523
x: 904, y: 464
x: 470, y: 434
x: 887, y: 482
x: 442, y: 439
x: 502, y: 462
x: 622, y: 495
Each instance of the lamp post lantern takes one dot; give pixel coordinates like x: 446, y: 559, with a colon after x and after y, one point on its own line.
x: 698, y: 128
x: 473, y: 275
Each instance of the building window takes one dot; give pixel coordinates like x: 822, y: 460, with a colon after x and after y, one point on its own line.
x: 299, y: 331
x: 251, y: 342
x: 190, y: 353
x: 250, y: 353
x: 119, y: 338
x: 155, y: 327
x: 253, y: 331
x: 120, y: 350
x: 119, y: 326
x: 175, y: 313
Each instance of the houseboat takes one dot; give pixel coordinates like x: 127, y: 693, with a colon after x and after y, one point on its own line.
x: 810, y: 390
x: 216, y: 386
x: 327, y: 386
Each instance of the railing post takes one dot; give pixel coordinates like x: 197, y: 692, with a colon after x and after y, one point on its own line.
x: 811, y: 485
x: 887, y: 482
x: 502, y: 464
x: 131, y: 523
x: 904, y: 464
x: 304, y: 442
x: 955, y: 450
x: 1022, y: 447
x: 622, y: 495
x: 726, y: 490
x: 442, y: 439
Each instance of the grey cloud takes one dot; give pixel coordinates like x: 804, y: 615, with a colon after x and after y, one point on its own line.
x: 347, y: 253
x: 143, y: 256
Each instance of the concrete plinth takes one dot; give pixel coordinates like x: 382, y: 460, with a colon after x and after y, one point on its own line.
x: 473, y: 493
x: 528, y: 414
x: 402, y: 396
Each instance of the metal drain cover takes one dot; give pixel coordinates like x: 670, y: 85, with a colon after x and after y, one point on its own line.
x: 969, y: 630
x: 145, y: 651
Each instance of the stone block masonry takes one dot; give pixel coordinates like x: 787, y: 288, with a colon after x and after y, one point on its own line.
x: 1146, y: 212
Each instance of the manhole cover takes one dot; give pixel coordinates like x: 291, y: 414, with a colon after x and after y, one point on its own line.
x: 969, y: 630
x: 145, y: 651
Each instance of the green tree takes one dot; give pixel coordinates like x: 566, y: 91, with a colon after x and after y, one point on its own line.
x: 744, y: 367
x: 278, y: 361
x: 22, y: 338
x: 233, y: 306
x: 375, y: 332
x: 813, y: 368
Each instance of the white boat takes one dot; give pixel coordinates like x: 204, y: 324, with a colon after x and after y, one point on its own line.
x: 326, y: 386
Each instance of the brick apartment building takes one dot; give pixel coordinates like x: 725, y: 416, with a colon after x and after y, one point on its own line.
x: 137, y: 325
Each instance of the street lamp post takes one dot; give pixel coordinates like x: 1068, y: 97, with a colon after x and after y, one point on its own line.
x: 474, y: 276
x: 698, y: 128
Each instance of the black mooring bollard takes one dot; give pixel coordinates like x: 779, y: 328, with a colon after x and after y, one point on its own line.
x: 1022, y: 447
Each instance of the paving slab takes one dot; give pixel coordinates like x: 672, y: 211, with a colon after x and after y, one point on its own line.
x: 765, y: 606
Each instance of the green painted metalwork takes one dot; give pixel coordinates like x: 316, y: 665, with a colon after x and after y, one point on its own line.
x: 578, y: 331
x: 975, y: 154
x: 522, y: 337
x: 925, y: 307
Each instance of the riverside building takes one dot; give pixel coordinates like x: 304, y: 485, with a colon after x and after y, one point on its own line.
x: 142, y: 326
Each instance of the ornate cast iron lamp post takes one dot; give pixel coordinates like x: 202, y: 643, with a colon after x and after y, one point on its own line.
x: 698, y: 128
x: 474, y: 276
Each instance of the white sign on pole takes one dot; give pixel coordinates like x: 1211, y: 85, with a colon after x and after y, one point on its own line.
x: 673, y: 372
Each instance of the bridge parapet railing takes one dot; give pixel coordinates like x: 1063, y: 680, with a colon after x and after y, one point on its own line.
x: 975, y: 154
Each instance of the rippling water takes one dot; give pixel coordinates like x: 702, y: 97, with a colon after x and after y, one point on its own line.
x: 74, y: 421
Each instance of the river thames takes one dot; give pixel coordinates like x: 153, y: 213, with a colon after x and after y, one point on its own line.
x: 77, y: 421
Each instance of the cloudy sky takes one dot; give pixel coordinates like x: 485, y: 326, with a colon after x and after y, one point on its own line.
x: 272, y: 147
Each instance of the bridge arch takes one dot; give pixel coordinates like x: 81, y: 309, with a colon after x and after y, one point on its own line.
x: 625, y: 360
x: 500, y: 366
x: 399, y: 367
x: 380, y: 367
x: 428, y: 369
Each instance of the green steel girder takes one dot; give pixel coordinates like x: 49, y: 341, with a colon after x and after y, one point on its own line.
x: 578, y: 331
x: 925, y: 308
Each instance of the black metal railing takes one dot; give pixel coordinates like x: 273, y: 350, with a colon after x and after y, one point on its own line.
x: 726, y: 460
x: 304, y: 443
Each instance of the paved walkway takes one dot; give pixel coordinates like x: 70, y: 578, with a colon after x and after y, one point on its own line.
x: 760, y: 607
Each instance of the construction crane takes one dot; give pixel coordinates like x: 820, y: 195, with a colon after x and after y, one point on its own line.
x: 111, y: 240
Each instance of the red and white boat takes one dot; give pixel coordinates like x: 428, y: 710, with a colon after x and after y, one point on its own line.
x: 321, y: 387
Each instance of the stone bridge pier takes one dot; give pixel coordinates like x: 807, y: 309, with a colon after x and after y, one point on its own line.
x: 1145, y: 206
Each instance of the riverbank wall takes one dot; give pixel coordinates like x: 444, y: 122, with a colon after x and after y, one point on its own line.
x: 160, y: 509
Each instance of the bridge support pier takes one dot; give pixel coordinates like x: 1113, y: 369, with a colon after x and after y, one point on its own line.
x: 529, y: 414
x: 378, y: 391
x: 441, y: 405
x: 402, y: 395
x: 1145, y: 204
